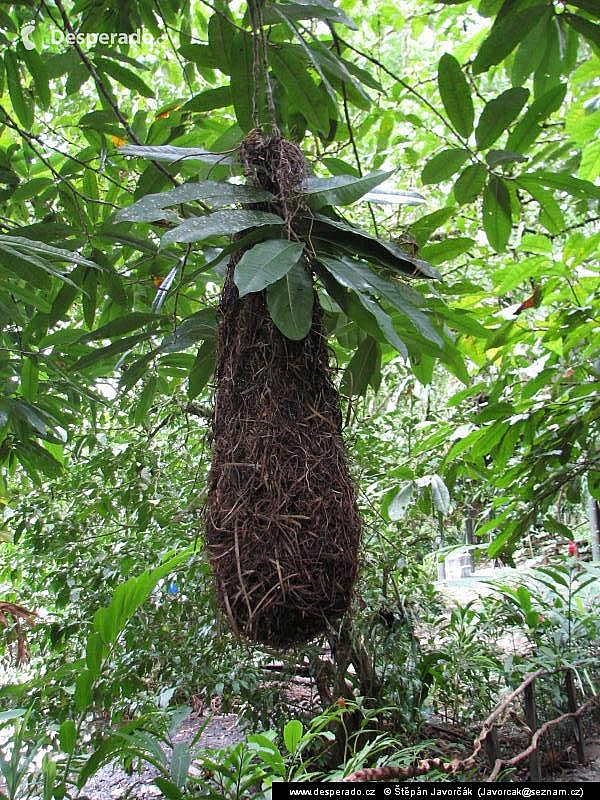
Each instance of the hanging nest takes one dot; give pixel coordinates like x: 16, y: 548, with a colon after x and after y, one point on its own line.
x: 282, y: 525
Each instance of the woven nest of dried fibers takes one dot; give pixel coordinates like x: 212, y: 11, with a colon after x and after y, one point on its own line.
x: 282, y: 525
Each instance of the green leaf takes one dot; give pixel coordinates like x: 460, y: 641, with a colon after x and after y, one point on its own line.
x: 328, y: 234
x: 220, y: 223
x: 455, y: 94
x: 202, y: 369
x: 110, y: 620
x: 341, y: 190
x: 302, y: 92
x: 495, y: 157
x: 290, y: 302
x: 498, y: 115
x: 549, y: 69
x: 292, y: 735
x: 364, y: 281
x: 583, y: 190
x: 221, y: 38
x: 36, y: 458
x: 94, y: 651
x: 124, y: 76
x: 301, y: 9
x: 67, y: 736
x: 90, y: 288
x: 12, y: 713
x: 446, y: 250
x: 21, y: 103
x: 104, y: 353
x: 180, y: 763
x: 588, y: 29
x: 469, y: 184
x: 146, y: 399
x: 208, y: 100
x: 83, y: 690
x: 400, y: 502
x: 497, y: 217
x: 507, y: 31
x: 530, y: 51
x: 266, y: 263
x: 121, y: 325
x: 215, y: 193
x: 242, y: 83
x: 444, y: 165
x: 364, y: 362
x: 170, y: 153
x: 551, y: 215
x: 169, y: 789
x: 38, y: 72
x: 528, y: 129
x: 440, y: 495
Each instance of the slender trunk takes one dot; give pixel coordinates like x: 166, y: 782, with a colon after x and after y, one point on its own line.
x: 594, y: 517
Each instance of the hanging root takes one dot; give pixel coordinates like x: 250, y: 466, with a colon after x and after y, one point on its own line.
x: 282, y: 525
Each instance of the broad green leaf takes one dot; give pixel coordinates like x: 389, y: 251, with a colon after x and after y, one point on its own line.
x: 469, y: 184
x: 172, y: 153
x: 202, y: 369
x: 341, y: 190
x: 89, y: 288
x: 588, y: 29
x: 400, y: 502
x: 528, y: 128
x: 83, y: 690
x: 292, y: 735
x: 551, y: 214
x: 38, y: 72
x: 302, y: 92
x: 505, y: 34
x: 444, y: 165
x: 440, y: 495
x: 423, y: 228
x: 497, y: 217
x: 116, y: 348
x: 121, y: 325
x: 36, y: 458
x: 364, y: 281
x: 169, y: 789
x: 583, y: 190
x: 221, y: 38
x: 208, y: 100
x: 530, y: 51
x: 12, y: 713
x: 68, y: 736
x: 364, y: 362
x: 220, y: 223
x: 301, y: 9
x: 243, y: 91
x: 455, y: 94
x: 21, y: 102
x: 214, y: 193
x: 446, y: 250
x: 180, y: 763
x: 549, y: 69
x: 290, y: 302
x: 330, y: 236
x: 495, y: 157
x: 110, y: 620
x: 94, y: 650
x: 498, y: 115
x: 266, y: 263
x: 124, y: 76
x: 146, y: 399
